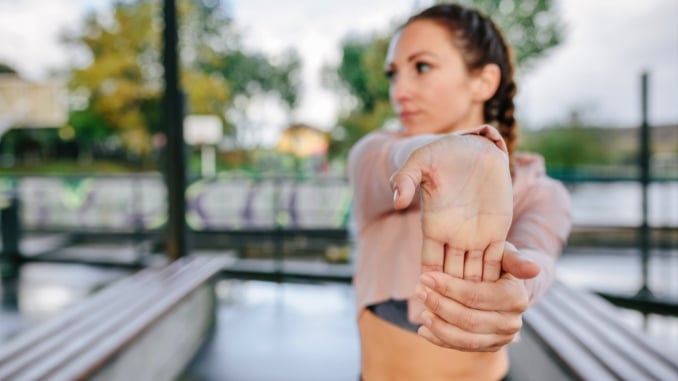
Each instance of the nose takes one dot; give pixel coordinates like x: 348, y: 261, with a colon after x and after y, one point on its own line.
x: 401, y: 89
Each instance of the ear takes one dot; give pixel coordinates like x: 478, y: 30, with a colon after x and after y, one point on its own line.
x: 486, y: 82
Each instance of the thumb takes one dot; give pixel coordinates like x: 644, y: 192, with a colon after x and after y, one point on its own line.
x: 519, y: 267
x: 405, y: 181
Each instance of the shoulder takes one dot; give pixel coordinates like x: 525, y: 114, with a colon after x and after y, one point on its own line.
x: 528, y: 164
x: 531, y: 180
x: 539, y: 198
x: 373, y: 140
x: 370, y: 145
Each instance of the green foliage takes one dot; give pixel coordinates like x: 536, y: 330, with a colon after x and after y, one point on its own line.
x: 253, y: 74
x: 90, y: 126
x: 362, y: 68
x: 121, y: 76
x: 566, y: 148
x: 120, y: 90
x: 6, y: 69
x: 361, y: 75
x: 531, y: 26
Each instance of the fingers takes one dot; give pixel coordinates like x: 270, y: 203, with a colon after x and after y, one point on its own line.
x: 473, y: 266
x: 428, y: 335
x: 519, y: 267
x: 454, y: 261
x: 492, y: 261
x: 468, y: 319
x: 456, y: 322
x: 508, y: 294
x: 433, y: 255
x: 447, y: 335
x: 406, y: 180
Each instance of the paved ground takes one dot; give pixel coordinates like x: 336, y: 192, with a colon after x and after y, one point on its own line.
x: 269, y: 331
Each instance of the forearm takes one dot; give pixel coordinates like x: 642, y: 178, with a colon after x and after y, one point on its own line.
x: 540, y: 229
x: 401, y: 150
x: 371, y: 163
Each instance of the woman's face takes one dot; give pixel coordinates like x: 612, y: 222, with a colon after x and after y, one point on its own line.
x: 431, y: 89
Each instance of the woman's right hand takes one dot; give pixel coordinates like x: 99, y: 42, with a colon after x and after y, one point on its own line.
x: 467, y: 204
x: 476, y: 316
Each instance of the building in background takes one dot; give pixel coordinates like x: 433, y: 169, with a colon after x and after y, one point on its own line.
x: 25, y: 104
x: 308, y: 145
x: 32, y: 117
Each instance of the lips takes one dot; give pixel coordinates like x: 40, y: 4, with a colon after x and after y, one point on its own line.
x: 407, y: 114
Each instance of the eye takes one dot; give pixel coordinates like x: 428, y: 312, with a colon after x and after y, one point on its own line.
x: 422, y: 67
x: 390, y: 74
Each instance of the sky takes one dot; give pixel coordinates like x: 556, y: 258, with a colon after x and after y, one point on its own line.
x: 595, y: 71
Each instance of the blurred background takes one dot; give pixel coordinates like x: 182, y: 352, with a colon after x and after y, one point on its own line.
x: 272, y: 96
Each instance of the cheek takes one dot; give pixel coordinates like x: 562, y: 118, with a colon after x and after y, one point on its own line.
x: 444, y: 100
x: 451, y: 94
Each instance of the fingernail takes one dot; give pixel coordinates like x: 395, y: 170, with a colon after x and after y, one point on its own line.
x: 395, y: 195
x: 427, y: 280
x: 420, y: 293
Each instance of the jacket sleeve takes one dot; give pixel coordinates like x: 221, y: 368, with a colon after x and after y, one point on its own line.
x: 541, y: 229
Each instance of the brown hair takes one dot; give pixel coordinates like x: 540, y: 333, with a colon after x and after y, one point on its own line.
x: 481, y: 43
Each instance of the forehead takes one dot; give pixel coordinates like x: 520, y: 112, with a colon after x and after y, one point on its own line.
x: 420, y: 35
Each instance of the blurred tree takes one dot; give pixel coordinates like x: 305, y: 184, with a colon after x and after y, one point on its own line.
x: 531, y: 26
x: 6, y: 69
x: 360, y: 78
x: 119, y: 91
x: 570, y: 147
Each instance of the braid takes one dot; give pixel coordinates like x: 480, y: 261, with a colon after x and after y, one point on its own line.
x: 500, y: 108
x: 482, y: 43
x: 506, y: 123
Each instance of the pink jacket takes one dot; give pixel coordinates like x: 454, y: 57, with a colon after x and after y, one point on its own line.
x: 389, y: 241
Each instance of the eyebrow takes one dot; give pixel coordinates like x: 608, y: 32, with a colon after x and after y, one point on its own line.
x: 416, y: 55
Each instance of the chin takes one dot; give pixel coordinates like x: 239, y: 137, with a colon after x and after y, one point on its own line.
x: 421, y: 130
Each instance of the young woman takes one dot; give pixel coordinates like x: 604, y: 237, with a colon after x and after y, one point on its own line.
x: 456, y: 234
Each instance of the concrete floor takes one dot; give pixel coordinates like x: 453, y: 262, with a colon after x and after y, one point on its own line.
x: 270, y: 331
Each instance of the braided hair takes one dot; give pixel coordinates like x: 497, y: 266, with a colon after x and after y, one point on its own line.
x: 481, y: 43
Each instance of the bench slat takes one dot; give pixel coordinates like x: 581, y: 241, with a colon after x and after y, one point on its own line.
x: 585, y: 335
x: 127, y: 308
x: 87, y: 363
x: 29, y: 338
x: 590, y: 341
x: 631, y: 347
x: 577, y: 362
x: 60, y: 329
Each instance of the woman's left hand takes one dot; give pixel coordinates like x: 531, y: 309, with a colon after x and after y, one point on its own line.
x: 476, y: 316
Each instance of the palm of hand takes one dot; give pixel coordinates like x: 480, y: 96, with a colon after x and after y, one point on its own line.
x: 467, y: 207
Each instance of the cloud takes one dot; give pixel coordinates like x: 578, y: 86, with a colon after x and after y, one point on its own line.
x: 31, y: 30
x: 597, y: 70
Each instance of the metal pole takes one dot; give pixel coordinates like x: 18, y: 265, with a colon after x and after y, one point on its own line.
x: 10, y: 224
x: 176, y: 154
x: 644, y: 160
x: 10, y: 255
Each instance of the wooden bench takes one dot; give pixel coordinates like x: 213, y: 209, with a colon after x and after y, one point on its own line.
x: 575, y: 335
x: 146, y: 326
